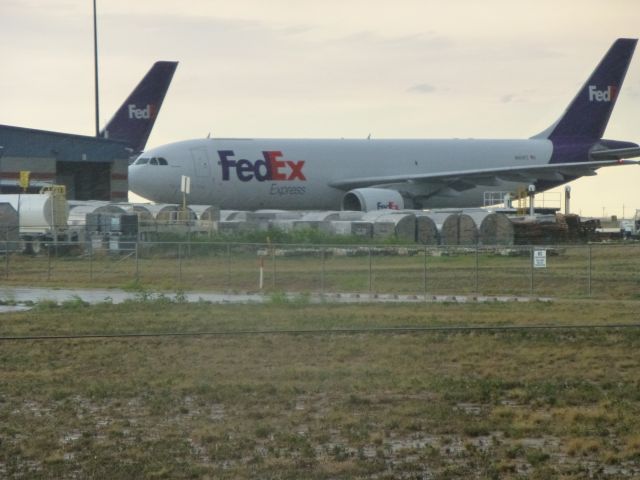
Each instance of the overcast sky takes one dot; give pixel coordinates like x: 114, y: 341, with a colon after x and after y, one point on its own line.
x: 336, y: 68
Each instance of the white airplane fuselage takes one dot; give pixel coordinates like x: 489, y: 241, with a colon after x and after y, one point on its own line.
x: 235, y: 174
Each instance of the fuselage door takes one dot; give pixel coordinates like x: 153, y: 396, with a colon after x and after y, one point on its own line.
x: 201, y: 164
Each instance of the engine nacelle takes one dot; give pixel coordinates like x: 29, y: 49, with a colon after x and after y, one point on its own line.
x: 367, y: 199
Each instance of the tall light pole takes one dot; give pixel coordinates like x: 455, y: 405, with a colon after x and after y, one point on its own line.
x: 95, y: 63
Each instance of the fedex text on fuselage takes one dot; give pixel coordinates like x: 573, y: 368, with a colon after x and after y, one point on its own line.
x: 271, y: 167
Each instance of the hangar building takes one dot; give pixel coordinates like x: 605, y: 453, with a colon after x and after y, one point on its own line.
x: 90, y: 168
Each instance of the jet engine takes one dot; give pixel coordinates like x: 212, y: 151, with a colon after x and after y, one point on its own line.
x: 367, y: 199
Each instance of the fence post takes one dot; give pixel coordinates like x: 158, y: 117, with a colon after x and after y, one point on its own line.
x: 228, y: 267
x: 477, y: 270
x: 370, y: 274
x: 322, y: 271
x: 589, y: 276
x: 179, y: 263
x: 91, y: 262
x: 424, y: 273
x: 137, y: 264
x: 273, y: 260
x: 48, y: 262
x: 6, y: 268
x: 531, y: 264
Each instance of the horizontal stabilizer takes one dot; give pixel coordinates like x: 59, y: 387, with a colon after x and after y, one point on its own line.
x: 616, y: 153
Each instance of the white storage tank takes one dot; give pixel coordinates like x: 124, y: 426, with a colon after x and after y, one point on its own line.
x: 40, y: 212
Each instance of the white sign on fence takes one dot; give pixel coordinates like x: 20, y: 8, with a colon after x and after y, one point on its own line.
x: 539, y: 259
x: 185, y: 184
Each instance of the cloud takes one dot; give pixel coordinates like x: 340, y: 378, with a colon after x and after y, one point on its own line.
x: 422, y: 88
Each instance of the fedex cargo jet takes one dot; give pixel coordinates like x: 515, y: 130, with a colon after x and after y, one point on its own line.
x: 369, y: 174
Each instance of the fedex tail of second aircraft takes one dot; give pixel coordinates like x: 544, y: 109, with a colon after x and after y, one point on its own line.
x: 587, y: 115
x: 134, y: 120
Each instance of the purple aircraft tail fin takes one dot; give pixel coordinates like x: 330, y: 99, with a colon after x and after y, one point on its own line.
x: 134, y: 120
x: 588, y: 114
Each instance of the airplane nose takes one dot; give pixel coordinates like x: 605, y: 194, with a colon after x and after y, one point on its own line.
x: 137, y: 179
x: 153, y: 178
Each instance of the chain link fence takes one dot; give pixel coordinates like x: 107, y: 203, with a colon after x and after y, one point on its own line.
x: 594, y: 270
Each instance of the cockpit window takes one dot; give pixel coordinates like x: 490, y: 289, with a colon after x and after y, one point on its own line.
x: 151, y: 161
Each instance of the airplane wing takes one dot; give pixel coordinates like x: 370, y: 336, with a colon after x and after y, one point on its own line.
x: 466, y: 179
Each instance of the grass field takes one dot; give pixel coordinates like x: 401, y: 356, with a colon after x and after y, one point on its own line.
x: 534, y: 404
